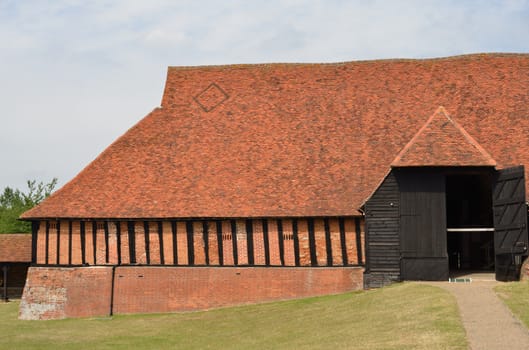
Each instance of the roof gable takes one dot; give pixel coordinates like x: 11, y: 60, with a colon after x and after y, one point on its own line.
x: 442, y: 142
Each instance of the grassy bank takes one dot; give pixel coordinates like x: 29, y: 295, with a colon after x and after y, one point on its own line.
x: 516, y: 296
x: 404, y: 316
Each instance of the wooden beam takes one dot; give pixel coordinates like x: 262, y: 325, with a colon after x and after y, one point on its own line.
x: 131, y: 228
x: 342, y: 241
x: 249, y: 241
x: 205, y: 238
x: 47, y: 244
x: 147, y: 237
x: 58, y: 243
x: 359, y: 241
x: 234, y: 242
x: 312, y: 243
x: 264, y: 223
x: 281, y: 242
x: 105, y: 227
x: 70, y: 237
x: 296, y: 241
x: 94, y: 240
x: 175, y: 244
x: 328, y: 244
x: 83, y: 241
x: 35, y: 225
x: 118, y: 239
x: 190, y: 243
x: 160, y: 242
x: 4, y: 269
x: 220, y: 243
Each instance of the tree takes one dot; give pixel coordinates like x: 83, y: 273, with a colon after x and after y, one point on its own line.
x: 14, y: 202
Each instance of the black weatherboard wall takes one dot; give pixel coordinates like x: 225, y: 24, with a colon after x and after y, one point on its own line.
x: 382, y: 235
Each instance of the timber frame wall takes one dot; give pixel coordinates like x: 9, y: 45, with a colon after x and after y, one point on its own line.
x: 298, y: 242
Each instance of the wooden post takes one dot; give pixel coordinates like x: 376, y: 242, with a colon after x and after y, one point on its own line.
x: 132, y: 241
x: 358, y: 241
x: 83, y: 242
x: 281, y: 243
x: 249, y: 241
x: 190, y: 243
x: 175, y: 243
x: 47, y: 244
x: 146, y: 234
x: 234, y: 242
x: 342, y: 242
x: 58, y: 252
x: 312, y: 243
x: 4, y: 269
x: 296, y: 241
x: 94, y: 240
x: 34, y: 238
x: 266, y: 242
x: 328, y: 244
x: 205, y: 238
x: 105, y: 226
x: 220, y: 243
x: 118, y: 239
x: 160, y: 242
x: 70, y: 242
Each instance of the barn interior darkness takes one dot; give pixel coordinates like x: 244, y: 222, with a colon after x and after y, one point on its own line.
x: 470, y: 234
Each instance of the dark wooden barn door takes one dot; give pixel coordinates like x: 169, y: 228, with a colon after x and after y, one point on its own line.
x: 422, y: 225
x: 510, y: 223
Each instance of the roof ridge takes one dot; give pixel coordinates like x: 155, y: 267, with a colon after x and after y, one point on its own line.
x: 341, y: 63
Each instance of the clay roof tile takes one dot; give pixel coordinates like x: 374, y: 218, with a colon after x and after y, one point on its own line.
x: 442, y: 142
x: 286, y: 140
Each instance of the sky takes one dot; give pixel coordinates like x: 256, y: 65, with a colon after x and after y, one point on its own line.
x: 75, y: 75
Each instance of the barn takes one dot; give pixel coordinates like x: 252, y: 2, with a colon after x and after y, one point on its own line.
x: 263, y: 182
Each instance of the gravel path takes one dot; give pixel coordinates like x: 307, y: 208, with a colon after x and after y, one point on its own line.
x: 489, y: 324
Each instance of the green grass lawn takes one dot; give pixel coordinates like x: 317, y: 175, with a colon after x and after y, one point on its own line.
x: 516, y: 296
x: 403, y: 316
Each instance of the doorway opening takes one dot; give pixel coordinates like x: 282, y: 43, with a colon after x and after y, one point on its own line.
x: 470, y: 228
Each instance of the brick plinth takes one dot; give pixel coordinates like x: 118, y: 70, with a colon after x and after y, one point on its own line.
x: 52, y: 293
x: 162, y: 289
x: 55, y: 293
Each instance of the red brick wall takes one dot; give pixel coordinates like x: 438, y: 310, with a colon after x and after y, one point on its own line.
x: 52, y: 293
x: 161, y: 289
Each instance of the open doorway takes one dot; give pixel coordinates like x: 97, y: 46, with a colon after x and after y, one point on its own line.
x: 470, y: 228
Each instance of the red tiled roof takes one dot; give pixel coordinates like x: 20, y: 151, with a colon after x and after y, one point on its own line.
x: 15, y: 247
x: 295, y: 139
x: 442, y: 142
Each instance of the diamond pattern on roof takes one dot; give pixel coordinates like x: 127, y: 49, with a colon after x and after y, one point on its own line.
x: 211, y: 97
